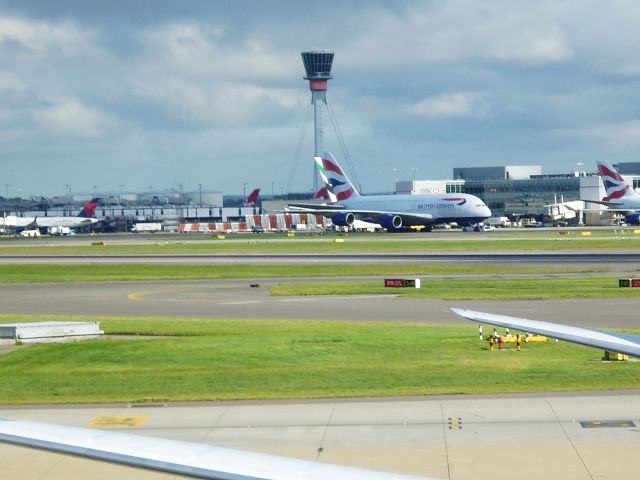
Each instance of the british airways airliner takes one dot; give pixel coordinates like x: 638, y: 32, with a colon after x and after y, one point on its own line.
x: 393, y: 212
x: 621, y: 197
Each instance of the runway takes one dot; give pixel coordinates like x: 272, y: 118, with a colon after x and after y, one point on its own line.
x: 236, y: 299
x: 617, y: 258
x: 569, y: 437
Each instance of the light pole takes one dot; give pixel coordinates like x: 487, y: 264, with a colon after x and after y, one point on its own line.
x: 244, y: 189
x: 414, y: 173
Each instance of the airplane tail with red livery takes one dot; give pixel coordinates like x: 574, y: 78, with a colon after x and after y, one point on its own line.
x: 89, y: 210
x: 252, y: 199
x: 338, y: 185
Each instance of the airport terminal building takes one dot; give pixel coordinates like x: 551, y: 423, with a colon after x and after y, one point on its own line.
x: 515, y: 191
x: 524, y: 190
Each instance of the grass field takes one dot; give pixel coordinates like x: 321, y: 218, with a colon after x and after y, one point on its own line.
x: 319, y: 245
x: 473, y: 289
x: 212, y: 360
x: 33, y: 273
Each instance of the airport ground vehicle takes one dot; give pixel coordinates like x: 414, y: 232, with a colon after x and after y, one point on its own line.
x: 30, y: 233
x: 147, y: 227
x: 60, y: 231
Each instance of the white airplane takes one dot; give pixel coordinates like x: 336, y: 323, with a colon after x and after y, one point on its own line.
x: 611, y: 342
x: 85, y: 217
x: 176, y: 457
x: 393, y: 212
x: 621, y: 196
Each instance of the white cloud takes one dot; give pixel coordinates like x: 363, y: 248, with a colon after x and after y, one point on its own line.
x: 71, y: 117
x: 228, y: 104
x: 65, y: 37
x: 459, y: 104
x: 10, y: 83
x: 460, y: 30
x: 199, y: 50
x: 619, y: 136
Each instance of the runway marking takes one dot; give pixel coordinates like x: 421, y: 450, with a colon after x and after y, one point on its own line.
x: 245, y: 302
x: 136, y: 296
x: 119, y: 421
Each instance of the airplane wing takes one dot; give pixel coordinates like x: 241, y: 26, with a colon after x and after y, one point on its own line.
x: 176, y: 457
x: 613, y: 342
x: 602, y: 202
x: 321, y: 208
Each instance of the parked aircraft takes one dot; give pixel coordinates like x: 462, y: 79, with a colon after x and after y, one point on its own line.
x: 611, y: 342
x: 393, y: 212
x: 252, y: 199
x: 85, y: 217
x: 621, y: 196
x: 176, y: 457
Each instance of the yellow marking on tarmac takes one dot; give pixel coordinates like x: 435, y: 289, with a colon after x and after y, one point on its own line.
x: 141, y: 296
x: 119, y: 421
x: 136, y: 296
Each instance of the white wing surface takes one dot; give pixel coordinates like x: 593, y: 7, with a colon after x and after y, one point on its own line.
x: 613, y: 342
x: 183, y: 458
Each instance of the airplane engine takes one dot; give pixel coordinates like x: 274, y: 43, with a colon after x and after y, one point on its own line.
x: 391, y: 222
x: 633, y: 218
x: 343, y: 219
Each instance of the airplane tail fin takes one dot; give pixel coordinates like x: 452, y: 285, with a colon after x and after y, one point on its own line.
x: 614, y: 183
x: 337, y: 183
x: 322, y: 193
x: 252, y: 199
x: 89, y: 210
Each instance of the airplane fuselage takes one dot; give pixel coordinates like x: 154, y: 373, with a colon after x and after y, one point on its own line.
x: 435, y: 208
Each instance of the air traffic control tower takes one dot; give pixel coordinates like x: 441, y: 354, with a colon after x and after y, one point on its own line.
x: 317, y: 64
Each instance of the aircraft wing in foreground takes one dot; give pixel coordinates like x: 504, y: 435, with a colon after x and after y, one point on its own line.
x: 612, y: 342
x: 172, y: 456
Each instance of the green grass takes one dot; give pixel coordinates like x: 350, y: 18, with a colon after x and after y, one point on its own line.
x: 33, y: 273
x: 214, y: 360
x: 383, y: 244
x: 473, y: 289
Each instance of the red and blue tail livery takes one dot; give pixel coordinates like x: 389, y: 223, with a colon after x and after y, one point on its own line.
x: 615, y: 186
x: 89, y: 210
x: 620, y: 196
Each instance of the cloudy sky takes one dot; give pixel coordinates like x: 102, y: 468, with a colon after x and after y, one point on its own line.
x: 133, y: 95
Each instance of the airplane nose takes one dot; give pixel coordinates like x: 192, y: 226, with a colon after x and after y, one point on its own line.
x: 486, y: 211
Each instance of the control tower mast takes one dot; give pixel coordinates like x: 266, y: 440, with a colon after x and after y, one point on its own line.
x: 317, y: 64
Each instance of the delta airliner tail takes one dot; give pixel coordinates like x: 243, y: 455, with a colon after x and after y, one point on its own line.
x: 89, y: 210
